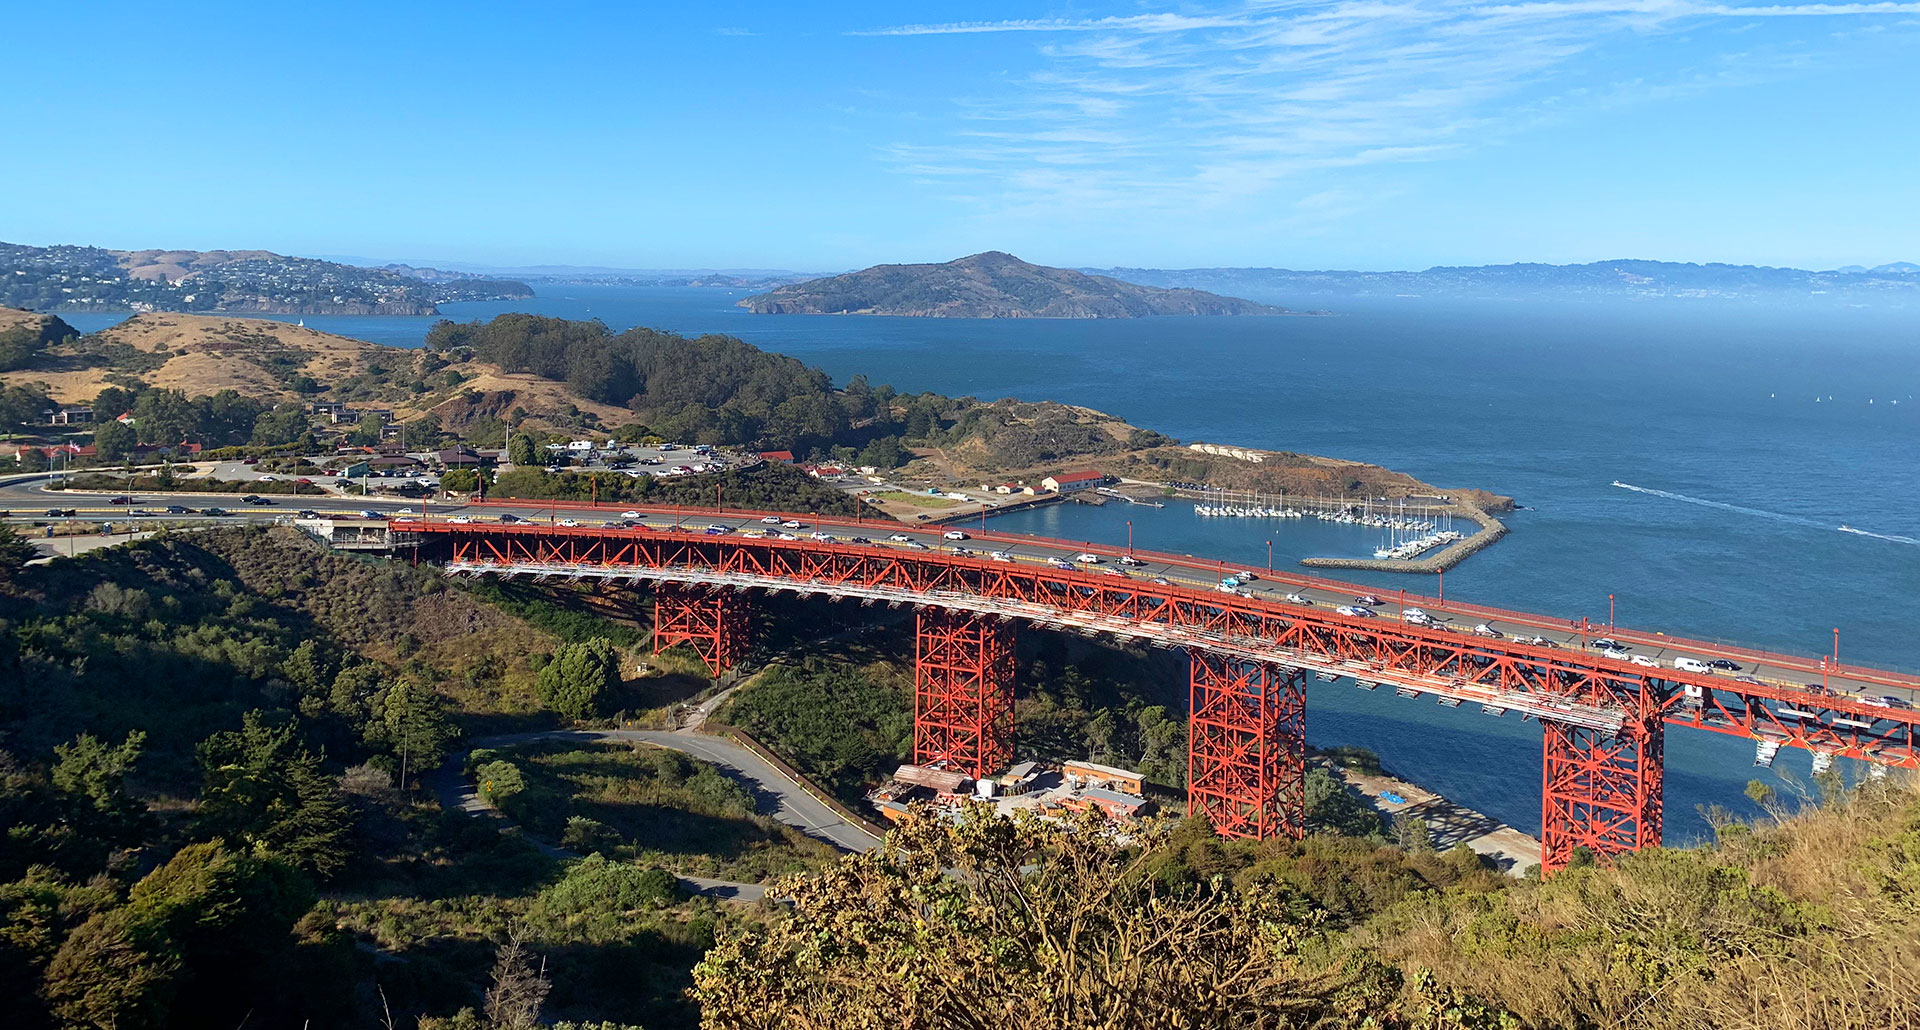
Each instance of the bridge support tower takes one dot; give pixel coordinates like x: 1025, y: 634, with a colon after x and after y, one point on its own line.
x: 1246, y: 746
x: 963, y: 691
x: 715, y: 623
x: 1601, y: 791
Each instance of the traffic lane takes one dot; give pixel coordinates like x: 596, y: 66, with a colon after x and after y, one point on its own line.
x: 933, y: 538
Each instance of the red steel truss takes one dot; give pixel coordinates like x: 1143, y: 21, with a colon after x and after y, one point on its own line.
x: 1600, y: 792
x: 714, y: 622
x: 963, y: 691
x: 1246, y: 746
x: 1604, y: 716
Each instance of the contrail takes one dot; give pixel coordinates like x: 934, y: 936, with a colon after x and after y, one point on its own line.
x: 1798, y: 520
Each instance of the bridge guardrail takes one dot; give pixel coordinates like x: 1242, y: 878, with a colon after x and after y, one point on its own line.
x: 1803, y: 663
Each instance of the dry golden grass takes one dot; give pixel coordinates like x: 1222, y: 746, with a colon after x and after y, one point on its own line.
x: 1809, y: 922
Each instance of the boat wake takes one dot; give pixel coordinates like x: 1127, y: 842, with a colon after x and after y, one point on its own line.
x: 1798, y: 520
x: 1881, y: 536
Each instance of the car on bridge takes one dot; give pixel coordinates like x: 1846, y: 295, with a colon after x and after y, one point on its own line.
x: 1645, y: 662
x: 122, y: 499
x: 1484, y: 630
x: 1356, y: 611
x: 1367, y: 599
x: 901, y: 538
x: 1088, y: 559
x: 771, y: 520
x: 954, y: 534
x: 569, y: 522
x: 1610, y: 644
x: 1000, y: 556
x: 631, y: 514
x: 1297, y: 599
x: 1614, y: 653
x: 1415, y: 616
x: 1725, y: 665
x: 1685, y: 664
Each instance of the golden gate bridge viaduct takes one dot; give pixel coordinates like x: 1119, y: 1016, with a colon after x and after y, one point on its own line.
x: 1604, y: 719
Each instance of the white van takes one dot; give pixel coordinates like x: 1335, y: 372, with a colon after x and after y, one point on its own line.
x: 1685, y: 664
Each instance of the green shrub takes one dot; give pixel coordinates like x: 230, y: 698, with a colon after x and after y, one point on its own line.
x: 594, y: 885
x: 500, y: 782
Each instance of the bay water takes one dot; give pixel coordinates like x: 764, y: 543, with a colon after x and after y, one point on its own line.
x: 1746, y: 434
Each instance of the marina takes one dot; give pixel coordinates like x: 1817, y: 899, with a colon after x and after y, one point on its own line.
x: 1410, y: 533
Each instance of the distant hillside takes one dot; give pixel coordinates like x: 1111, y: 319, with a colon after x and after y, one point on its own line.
x: 1600, y: 278
x: 77, y: 278
x: 200, y: 355
x: 990, y: 285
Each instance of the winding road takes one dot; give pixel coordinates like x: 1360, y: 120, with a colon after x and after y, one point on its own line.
x: 794, y: 806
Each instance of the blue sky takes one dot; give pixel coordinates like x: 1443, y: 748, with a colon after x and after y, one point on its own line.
x: 1350, y: 134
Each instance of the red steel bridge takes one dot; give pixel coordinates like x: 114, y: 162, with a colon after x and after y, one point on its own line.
x: 1251, y: 647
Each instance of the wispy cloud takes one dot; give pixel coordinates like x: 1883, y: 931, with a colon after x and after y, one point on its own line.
x: 1157, y: 23
x: 1198, y: 109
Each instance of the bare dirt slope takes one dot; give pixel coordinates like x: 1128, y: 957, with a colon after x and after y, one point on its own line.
x: 204, y: 354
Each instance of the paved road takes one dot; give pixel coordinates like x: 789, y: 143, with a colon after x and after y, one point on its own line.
x: 792, y: 805
x: 25, y: 498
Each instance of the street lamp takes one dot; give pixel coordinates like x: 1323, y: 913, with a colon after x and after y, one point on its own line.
x: 1609, y: 611
x: 1836, y: 645
x: 1269, y: 557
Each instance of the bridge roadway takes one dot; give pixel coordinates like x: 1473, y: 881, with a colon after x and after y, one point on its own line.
x: 1796, y: 673
x: 23, y: 502
x: 1603, y: 713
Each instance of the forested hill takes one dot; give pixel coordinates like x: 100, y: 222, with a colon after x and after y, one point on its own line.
x: 991, y: 285
x: 78, y: 278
